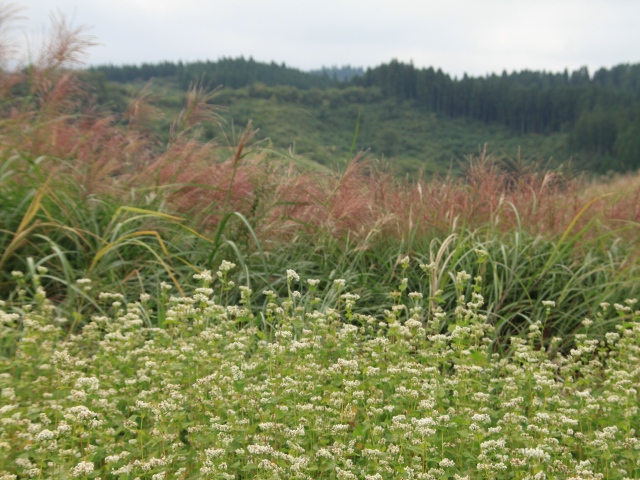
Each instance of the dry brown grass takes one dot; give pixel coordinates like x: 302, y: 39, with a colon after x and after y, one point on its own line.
x: 365, y: 199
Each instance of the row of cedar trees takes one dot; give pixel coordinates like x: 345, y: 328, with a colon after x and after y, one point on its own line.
x: 601, y: 111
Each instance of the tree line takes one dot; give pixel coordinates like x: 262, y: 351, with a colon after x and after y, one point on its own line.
x: 230, y: 72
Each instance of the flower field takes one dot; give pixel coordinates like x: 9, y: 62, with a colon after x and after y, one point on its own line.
x: 309, y: 389
x: 192, y: 309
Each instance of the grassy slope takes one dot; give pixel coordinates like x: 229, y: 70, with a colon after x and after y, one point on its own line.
x: 408, y: 138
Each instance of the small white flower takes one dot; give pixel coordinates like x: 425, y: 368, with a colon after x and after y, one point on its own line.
x: 82, y: 469
x: 446, y: 463
x: 205, y: 276
x: 226, y: 266
x: 462, y: 277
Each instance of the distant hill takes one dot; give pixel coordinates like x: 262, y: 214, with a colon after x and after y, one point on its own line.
x: 592, y: 119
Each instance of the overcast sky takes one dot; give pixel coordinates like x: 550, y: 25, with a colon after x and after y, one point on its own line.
x: 472, y: 36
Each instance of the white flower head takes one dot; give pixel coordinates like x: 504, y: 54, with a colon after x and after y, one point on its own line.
x: 292, y: 276
x: 205, y: 276
x: 82, y: 469
x: 462, y: 277
x: 226, y: 266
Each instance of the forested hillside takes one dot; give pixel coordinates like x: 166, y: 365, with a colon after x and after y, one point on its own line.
x: 594, y: 120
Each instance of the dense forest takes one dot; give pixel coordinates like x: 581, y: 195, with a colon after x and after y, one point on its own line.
x: 599, y: 113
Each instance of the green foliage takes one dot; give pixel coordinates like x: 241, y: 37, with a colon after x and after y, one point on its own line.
x: 627, y: 145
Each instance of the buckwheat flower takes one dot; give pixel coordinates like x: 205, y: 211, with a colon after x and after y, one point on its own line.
x: 612, y: 337
x: 165, y: 287
x: 324, y: 453
x: 480, y: 253
x: 82, y: 469
x: 17, y: 274
x: 428, y: 267
x: 415, y: 295
x: 204, y: 291
x: 77, y: 396
x: 226, y: 266
x: 340, y: 282
x: 549, y: 303
x: 481, y: 418
x: 110, y: 296
x: 245, y: 293
x: 204, y: 276
x: 88, y: 383
x: 313, y: 282
x: 44, y: 435
x: 535, y: 453
x: 292, y: 276
x: 405, y: 262
x: 462, y: 277
x: 259, y: 449
x: 447, y: 463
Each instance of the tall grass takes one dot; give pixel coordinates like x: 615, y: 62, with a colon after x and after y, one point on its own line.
x: 86, y: 192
